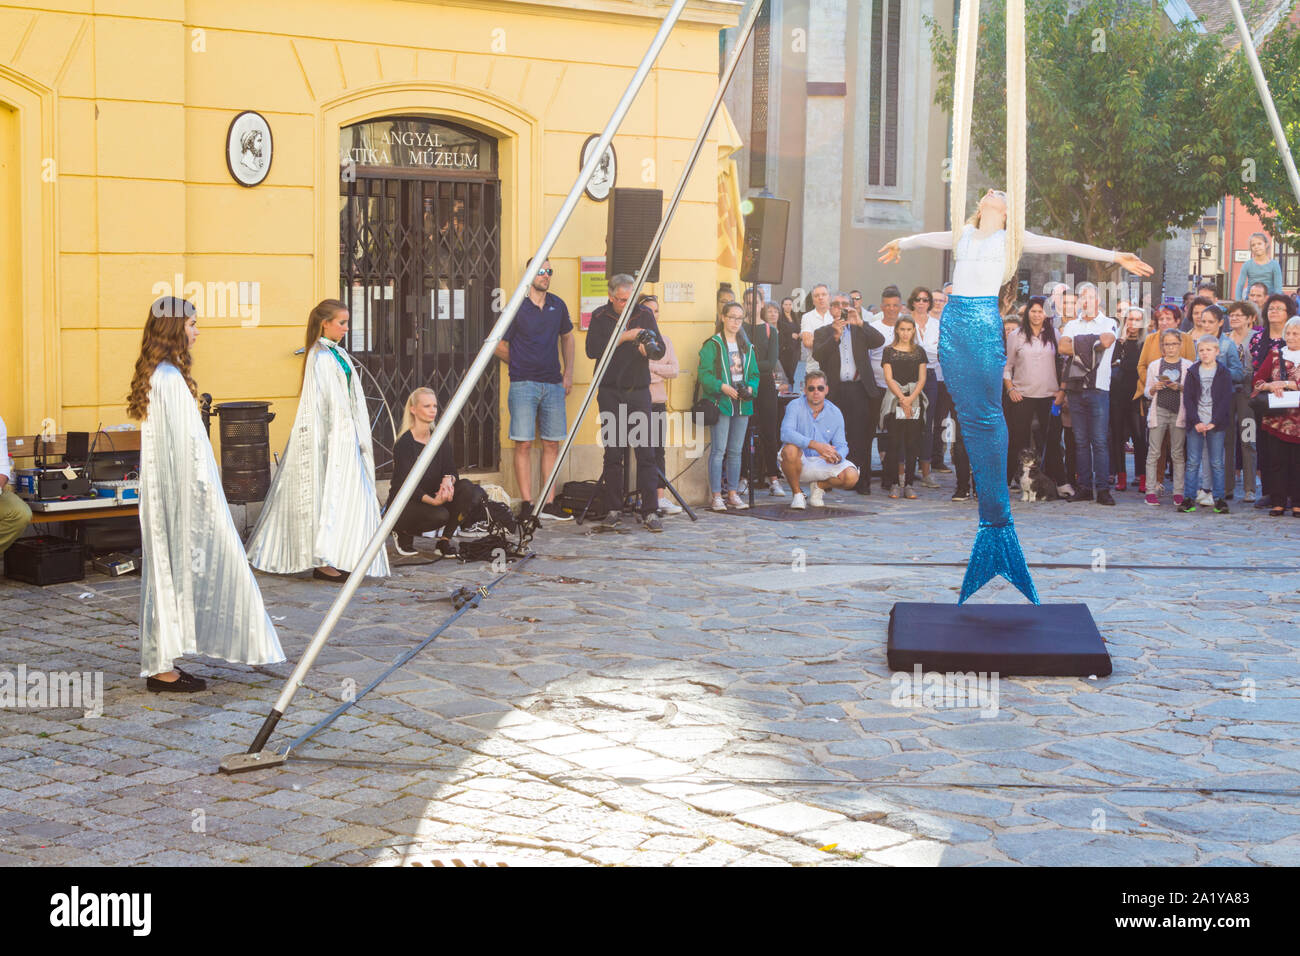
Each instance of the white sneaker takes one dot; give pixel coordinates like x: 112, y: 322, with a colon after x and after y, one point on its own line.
x: 1066, y: 490
x: 474, y: 532
x: 1203, y: 498
x: 777, y: 490
x: 737, y: 503
x: 817, y: 498
x: 669, y: 507
x: 717, y: 504
x: 798, y: 502
x: 397, y: 546
x: 1250, y: 497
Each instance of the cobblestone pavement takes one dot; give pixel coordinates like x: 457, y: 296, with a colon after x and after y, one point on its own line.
x: 717, y: 694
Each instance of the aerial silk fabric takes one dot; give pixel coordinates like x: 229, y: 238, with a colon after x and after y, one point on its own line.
x: 963, y: 105
x: 970, y: 338
x: 197, y: 592
x: 322, y: 508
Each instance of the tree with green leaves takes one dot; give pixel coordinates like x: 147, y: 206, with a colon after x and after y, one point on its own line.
x: 1121, y: 147
x: 1259, y: 179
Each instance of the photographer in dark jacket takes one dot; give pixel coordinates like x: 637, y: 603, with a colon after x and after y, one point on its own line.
x: 624, y: 400
x: 442, y: 499
x: 843, y: 351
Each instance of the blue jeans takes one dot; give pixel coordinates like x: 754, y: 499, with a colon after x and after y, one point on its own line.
x: 726, y: 438
x: 1210, y: 444
x: 1090, y: 418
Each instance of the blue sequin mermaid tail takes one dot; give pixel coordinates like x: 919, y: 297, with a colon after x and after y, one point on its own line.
x: 973, y: 355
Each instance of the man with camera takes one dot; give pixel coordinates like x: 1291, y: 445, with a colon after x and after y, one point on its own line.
x: 623, y: 397
x: 843, y: 351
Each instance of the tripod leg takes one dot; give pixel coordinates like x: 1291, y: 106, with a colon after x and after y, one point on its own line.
x: 598, y: 490
x: 680, y: 500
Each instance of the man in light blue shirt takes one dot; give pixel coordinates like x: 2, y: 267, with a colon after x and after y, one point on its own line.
x: 814, y: 446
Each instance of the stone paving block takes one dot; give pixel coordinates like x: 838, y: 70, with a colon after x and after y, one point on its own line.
x: 609, y: 855
x: 672, y: 844
x: 790, y: 818
x: 759, y: 859
x: 854, y: 837
x: 731, y: 801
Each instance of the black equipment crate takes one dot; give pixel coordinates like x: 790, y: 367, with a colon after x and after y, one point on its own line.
x: 44, y: 559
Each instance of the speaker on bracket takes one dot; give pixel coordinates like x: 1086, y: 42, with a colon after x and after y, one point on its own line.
x: 634, y: 215
x: 763, y: 258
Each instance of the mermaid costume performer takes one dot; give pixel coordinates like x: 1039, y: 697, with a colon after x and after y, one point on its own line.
x: 972, y: 352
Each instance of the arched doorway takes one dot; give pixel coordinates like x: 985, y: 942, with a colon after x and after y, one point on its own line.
x: 419, y: 257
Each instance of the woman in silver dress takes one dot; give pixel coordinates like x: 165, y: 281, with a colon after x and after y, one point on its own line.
x: 197, y: 593
x: 322, y: 508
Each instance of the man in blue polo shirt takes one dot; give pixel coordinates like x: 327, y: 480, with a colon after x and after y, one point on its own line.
x: 815, y: 449
x: 531, y: 350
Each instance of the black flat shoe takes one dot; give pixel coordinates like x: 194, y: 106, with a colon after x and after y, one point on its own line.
x: 185, y: 684
x: 320, y: 575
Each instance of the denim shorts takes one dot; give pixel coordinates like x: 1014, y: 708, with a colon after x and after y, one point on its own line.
x: 527, y: 402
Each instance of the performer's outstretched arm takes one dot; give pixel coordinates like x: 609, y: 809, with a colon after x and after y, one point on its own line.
x: 889, y: 252
x: 1049, y: 244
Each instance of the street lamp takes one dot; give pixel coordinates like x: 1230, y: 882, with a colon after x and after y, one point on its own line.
x: 1200, y: 235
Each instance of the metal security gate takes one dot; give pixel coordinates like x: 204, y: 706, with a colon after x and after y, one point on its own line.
x: 419, y: 260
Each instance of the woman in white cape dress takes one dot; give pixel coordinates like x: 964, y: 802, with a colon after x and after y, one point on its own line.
x: 197, y: 593
x: 322, y: 507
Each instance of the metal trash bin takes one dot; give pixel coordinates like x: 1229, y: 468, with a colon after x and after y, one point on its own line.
x: 245, y: 450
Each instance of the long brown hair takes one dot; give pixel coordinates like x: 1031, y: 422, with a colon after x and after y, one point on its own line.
x: 910, y: 321
x: 163, y: 340
x: 325, y: 310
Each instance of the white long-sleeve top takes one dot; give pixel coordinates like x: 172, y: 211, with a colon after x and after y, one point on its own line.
x: 980, y: 263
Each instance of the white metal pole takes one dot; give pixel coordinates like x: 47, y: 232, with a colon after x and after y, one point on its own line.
x: 1279, y: 134
x: 485, y: 355
x: 638, y: 280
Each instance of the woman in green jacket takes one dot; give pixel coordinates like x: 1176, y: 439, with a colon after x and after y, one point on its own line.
x: 728, y: 378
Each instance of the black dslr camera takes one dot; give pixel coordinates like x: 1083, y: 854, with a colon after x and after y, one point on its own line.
x: 745, y: 392
x: 654, y: 349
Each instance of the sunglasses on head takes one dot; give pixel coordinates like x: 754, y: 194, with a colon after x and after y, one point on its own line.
x: 546, y: 272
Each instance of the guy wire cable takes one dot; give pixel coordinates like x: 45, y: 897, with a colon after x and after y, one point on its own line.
x: 481, y: 592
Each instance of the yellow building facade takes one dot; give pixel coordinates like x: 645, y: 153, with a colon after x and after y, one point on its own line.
x: 117, y: 184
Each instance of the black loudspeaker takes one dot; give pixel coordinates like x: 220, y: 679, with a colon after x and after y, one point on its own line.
x: 763, y: 259
x: 634, y: 216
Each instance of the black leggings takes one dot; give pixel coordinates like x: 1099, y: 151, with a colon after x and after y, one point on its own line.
x: 902, y: 445
x: 1126, y: 422
x: 1021, y: 420
x: 420, y: 516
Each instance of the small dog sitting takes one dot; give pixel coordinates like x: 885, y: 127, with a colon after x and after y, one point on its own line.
x: 1034, y: 485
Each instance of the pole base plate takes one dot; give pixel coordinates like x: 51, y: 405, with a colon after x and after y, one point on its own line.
x: 242, y: 763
